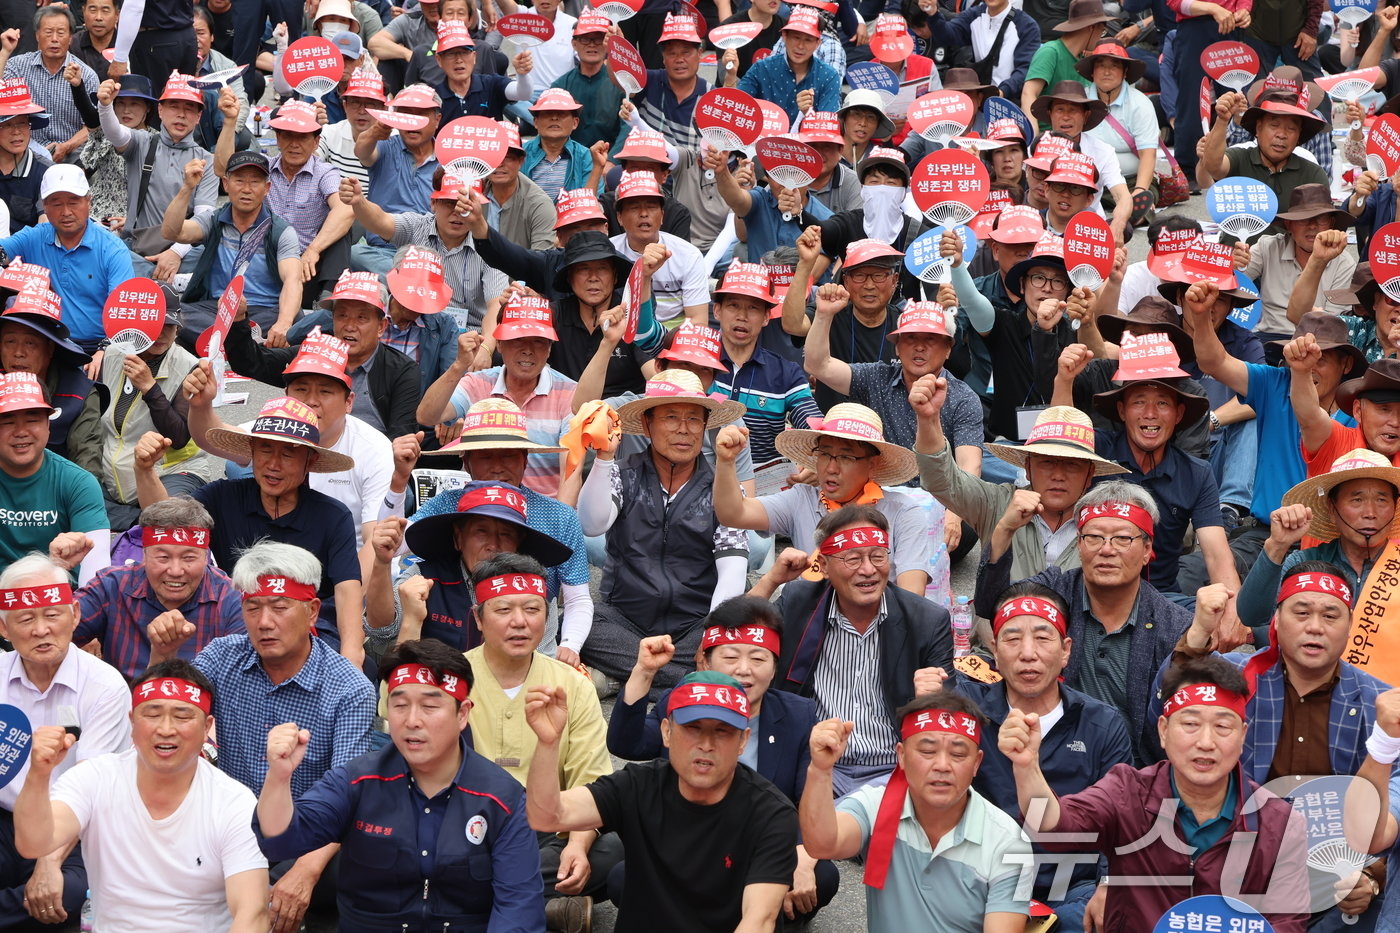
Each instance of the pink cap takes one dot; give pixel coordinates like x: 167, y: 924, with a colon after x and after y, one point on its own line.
x: 453, y: 34
x: 924, y: 317
x: 177, y: 87
x: 321, y: 354
x: 638, y: 185
x: 366, y: 83
x: 804, y: 19
x: 555, y: 99
x: 644, y: 146
x: 1007, y: 131
x: 1018, y: 223
x: 1075, y: 168
x: 512, y: 135
x: 746, y: 278
x: 296, y: 116
x: 1047, y: 150
x: 417, y: 281
x: 859, y: 252
x: 577, y: 205
x: 359, y: 286
x: 452, y: 187
x: 15, y: 99
x: 21, y: 392
x: 697, y: 344
x: 679, y: 28
x: 526, y: 316
x: 821, y: 126
x: 417, y: 96
x: 590, y: 22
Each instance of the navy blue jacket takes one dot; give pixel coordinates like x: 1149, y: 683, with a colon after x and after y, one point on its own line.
x: 371, y: 806
x: 437, y: 344
x: 785, y: 722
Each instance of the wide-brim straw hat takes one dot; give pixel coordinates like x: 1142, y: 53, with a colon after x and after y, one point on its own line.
x: 286, y: 421
x: 1314, y: 492
x: 851, y: 422
x: 494, y: 424
x: 678, y: 387
x: 1059, y: 431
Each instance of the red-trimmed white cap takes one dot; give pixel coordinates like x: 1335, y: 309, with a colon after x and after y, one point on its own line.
x: 419, y: 97
x: 644, y: 146
x: 555, y: 100
x: 21, y: 392
x: 526, y: 316
x: 924, y: 317
x: 697, y: 344
x: 679, y: 28
x: 749, y: 279
x: 859, y: 252
x: 804, y: 19
x: 821, y: 126
x: 177, y: 87
x: 453, y: 34
x: 321, y: 354
x: 366, y: 83
x: 1019, y: 223
x: 359, y: 286
x: 296, y: 116
x: 638, y: 185
x: 577, y: 205
x: 1075, y: 168
x: 417, y: 281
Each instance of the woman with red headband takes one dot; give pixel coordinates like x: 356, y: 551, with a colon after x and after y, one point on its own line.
x: 1229, y: 836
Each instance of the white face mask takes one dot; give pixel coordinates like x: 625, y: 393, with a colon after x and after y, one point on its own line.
x: 884, y: 211
x: 330, y: 30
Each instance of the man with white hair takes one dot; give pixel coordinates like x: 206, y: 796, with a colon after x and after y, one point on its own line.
x: 53, y: 683
x: 279, y: 672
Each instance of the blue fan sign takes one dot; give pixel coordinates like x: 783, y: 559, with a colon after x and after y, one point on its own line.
x: 998, y: 108
x: 923, y: 252
x: 1319, y: 802
x: 873, y: 76
x: 1212, y: 913
x: 15, y: 736
x: 1231, y: 197
x: 1353, y: 12
x: 1248, y: 316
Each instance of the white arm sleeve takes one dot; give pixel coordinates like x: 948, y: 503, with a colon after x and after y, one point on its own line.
x: 733, y: 578
x: 519, y: 89
x: 577, y: 620
x: 127, y: 27
x: 100, y: 556
x: 596, y: 508
x: 119, y: 136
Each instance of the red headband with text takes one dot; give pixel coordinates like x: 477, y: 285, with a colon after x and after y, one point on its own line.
x: 450, y: 684
x: 511, y: 584
x: 280, y: 587
x: 759, y: 636
x: 1328, y: 584
x: 172, y: 688
x: 1124, y: 510
x: 864, y: 536
x: 28, y: 597
x: 1205, y: 695
x: 1029, y: 606
x: 180, y: 537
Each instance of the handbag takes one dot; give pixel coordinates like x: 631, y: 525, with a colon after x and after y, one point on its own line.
x: 1172, y: 186
x: 146, y: 241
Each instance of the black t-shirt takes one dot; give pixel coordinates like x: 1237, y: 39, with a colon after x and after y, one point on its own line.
x: 854, y: 342
x: 764, y: 40
x: 688, y: 864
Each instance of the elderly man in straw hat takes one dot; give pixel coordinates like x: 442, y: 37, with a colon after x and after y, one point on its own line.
x: 493, y: 448
x: 670, y: 558
x: 283, y: 447
x: 1036, y: 523
x: 852, y: 461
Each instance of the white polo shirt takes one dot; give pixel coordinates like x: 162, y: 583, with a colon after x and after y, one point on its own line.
x: 684, y: 280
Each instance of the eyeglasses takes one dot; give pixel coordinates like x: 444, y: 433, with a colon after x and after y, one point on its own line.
x: 591, y: 39
x: 879, y: 559
x: 878, y: 276
x: 842, y: 460
x: 1064, y: 187
x: 674, y: 422
x: 1040, y: 280
x: 1119, y: 542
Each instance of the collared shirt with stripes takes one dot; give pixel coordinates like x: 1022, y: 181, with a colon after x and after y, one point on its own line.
x: 847, y: 685
x: 302, y: 201
x: 52, y: 92
x: 472, y: 281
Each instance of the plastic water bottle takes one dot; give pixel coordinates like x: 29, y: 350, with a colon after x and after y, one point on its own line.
x: 962, y: 627
x: 85, y: 922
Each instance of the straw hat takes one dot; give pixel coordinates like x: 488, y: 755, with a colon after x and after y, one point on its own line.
x: 286, y: 421
x: 850, y: 422
x: 1060, y: 431
x: 1314, y: 492
x: 431, y: 537
x: 494, y: 424
x: 673, y: 387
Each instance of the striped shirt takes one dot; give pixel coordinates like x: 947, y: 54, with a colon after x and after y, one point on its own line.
x: 775, y: 391
x: 302, y: 201
x: 672, y: 118
x: 847, y: 685
x: 473, y: 282
x: 338, y: 149
x: 52, y: 92
x: 550, y: 174
x: 547, y: 415
x: 407, y: 340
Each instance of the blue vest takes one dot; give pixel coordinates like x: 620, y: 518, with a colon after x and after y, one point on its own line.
x: 381, y: 887
x: 449, y: 605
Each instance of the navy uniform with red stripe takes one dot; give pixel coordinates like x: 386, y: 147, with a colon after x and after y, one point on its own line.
x: 464, y: 861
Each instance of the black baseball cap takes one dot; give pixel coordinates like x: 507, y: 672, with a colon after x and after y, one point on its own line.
x: 245, y: 158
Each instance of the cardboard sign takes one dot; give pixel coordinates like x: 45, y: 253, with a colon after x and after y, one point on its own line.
x: 312, y: 65
x: 211, y: 343
x: 526, y: 30
x: 950, y: 186
x: 734, y: 35
x: 619, y: 10
x: 134, y: 314
x: 634, y: 301
x: 15, y: 736
x: 728, y: 119
x: 399, y: 121
x: 1213, y: 912
x: 471, y: 147
x: 1383, y: 145
x: 789, y: 162
x: 1247, y: 316
x: 216, y: 80
x: 923, y: 261
x: 999, y: 108
x: 1385, y: 265
x: 1243, y: 207
x: 626, y: 63
x: 1354, y: 12
x: 1089, y: 250
x: 873, y: 76
x: 1374, y: 642
x: 1232, y: 64
x: 1213, y: 261
x: 1207, y: 103
x: 940, y: 116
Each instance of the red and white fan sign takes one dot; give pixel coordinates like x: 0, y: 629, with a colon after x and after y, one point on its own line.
x: 1232, y: 64
x: 1207, y: 103
x: 134, y: 314
x: 728, y: 119
x: 775, y: 119
x: 1349, y: 86
x: 1383, y: 145
x: 734, y: 35
x: 627, y: 65
x: 941, y: 115
x: 950, y: 186
x: 634, y: 300
x: 312, y: 65
x: 211, y: 343
x: 790, y: 162
x: 1385, y: 259
x: 471, y: 148
x: 399, y: 121
x: 1089, y: 248
x: 619, y: 10
x: 526, y: 30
